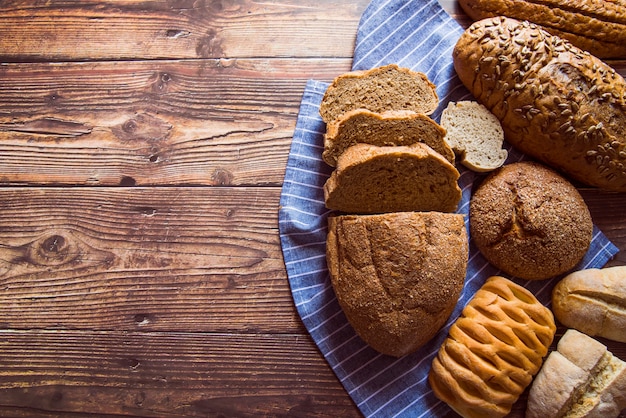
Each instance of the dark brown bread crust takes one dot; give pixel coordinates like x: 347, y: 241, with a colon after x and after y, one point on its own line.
x: 555, y: 102
x: 530, y: 222
x: 597, y: 27
x: 397, y: 276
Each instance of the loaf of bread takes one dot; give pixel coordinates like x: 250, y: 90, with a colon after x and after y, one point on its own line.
x: 379, y: 89
x: 595, y: 26
x: 371, y: 179
x: 555, y: 102
x: 493, y: 350
x: 395, y: 127
x: 529, y: 221
x: 397, y: 276
x: 475, y: 134
x: 581, y: 379
x: 593, y: 301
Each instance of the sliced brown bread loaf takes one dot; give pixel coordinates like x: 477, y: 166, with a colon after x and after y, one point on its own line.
x: 396, y: 127
x: 397, y: 276
x: 475, y: 134
x: 373, y: 179
x: 380, y: 89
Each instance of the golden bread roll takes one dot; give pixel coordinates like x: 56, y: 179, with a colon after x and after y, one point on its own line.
x: 493, y: 350
x: 593, y: 301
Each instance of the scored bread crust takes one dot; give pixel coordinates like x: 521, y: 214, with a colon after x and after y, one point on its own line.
x: 396, y: 127
x: 493, y: 350
x: 555, y: 102
x: 379, y: 89
x: 529, y: 221
x: 593, y: 301
x: 597, y: 27
x: 397, y: 276
x: 371, y: 179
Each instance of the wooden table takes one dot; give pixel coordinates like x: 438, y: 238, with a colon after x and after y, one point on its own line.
x: 142, y: 151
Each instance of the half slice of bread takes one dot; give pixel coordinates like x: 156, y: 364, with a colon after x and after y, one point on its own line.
x: 380, y: 89
x: 581, y: 379
x: 397, y: 276
x: 371, y: 179
x: 475, y: 134
x: 395, y: 127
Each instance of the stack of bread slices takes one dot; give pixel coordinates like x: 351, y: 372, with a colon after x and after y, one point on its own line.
x: 396, y: 251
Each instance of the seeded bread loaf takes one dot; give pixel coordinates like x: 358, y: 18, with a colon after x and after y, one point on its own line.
x: 595, y: 26
x: 397, y: 276
x: 475, y: 134
x: 529, y: 221
x: 581, y: 379
x: 493, y: 350
x: 554, y: 101
x: 380, y: 89
x: 593, y: 301
x: 371, y: 179
x: 396, y: 127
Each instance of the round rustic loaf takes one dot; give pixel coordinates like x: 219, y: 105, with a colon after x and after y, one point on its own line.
x: 529, y: 221
x: 557, y: 103
x: 493, y: 350
x: 397, y: 276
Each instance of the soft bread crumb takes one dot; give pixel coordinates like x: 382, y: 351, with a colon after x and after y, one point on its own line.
x: 475, y: 134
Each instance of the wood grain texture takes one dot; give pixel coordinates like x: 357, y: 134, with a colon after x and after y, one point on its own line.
x: 120, y: 30
x: 169, y: 259
x: 195, y: 122
x: 166, y: 374
x: 142, y: 149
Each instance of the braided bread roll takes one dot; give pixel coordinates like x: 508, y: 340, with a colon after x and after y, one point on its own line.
x: 493, y: 350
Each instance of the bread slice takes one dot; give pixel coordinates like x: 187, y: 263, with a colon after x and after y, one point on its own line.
x: 397, y: 276
x: 475, y: 134
x: 581, y: 379
x: 379, y: 89
x: 371, y: 179
x: 395, y: 127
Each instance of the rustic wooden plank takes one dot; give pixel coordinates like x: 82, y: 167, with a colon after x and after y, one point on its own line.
x: 199, y: 122
x: 113, y: 30
x: 166, y: 374
x: 190, y: 259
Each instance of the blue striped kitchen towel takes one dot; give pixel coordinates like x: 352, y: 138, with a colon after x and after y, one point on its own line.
x: 419, y: 35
